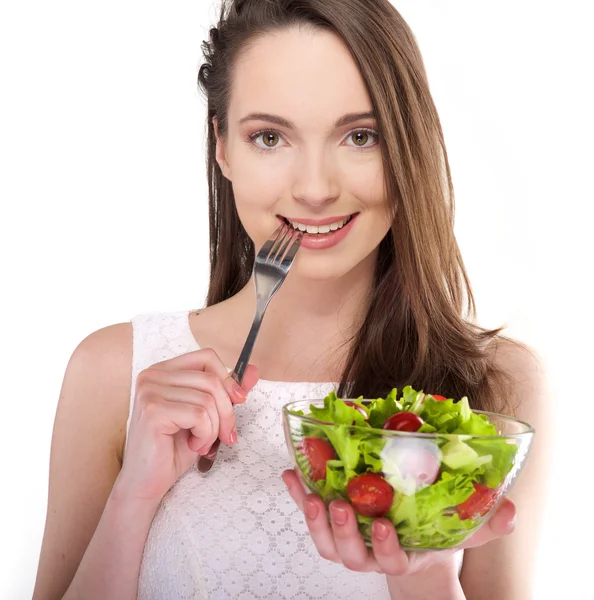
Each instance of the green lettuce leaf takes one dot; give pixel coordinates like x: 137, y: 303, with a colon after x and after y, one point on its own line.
x: 334, y: 486
x: 502, y: 453
x: 412, y: 401
x: 444, y: 416
x: 336, y: 411
x: 445, y: 531
x: 383, y: 408
x: 426, y: 505
x: 342, y: 435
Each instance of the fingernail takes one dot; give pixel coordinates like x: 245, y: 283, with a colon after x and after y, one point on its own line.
x: 204, y: 449
x: 512, y: 524
x: 212, y: 453
x: 380, y: 531
x: 339, y: 515
x: 238, y: 392
x: 233, y: 436
x: 310, y: 508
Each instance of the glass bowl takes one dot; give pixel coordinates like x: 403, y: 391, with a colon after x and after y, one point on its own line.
x: 437, y: 489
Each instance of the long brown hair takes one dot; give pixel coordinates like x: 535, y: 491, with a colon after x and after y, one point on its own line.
x: 418, y: 328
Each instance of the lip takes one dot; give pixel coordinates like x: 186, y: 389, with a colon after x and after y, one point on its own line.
x: 322, y: 241
x: 318, y: 222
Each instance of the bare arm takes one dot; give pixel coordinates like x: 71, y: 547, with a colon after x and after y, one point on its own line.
x: 111, y: 563
x: 504, y: 568
x: 101, y: 506
x: 86, y: 453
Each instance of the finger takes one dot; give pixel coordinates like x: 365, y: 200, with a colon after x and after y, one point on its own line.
x: 501, y: 523
x: 212, y: 451
x: 239, y: 393
x: 203, y: 382
x: 204, y: 359
x: 250, y: 377
x: 315, y: 516
x: 349, y: 543
x: 236, y: 393
x: 165, y: 405
x: 165, y: 417
x: 296, y: 490
x: 388, y: 552
x: 208, y: 360
x: 320, y: 530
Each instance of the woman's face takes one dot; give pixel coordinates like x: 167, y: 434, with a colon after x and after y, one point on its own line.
x: 302, y: 145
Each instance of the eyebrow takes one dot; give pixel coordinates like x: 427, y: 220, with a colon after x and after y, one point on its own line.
x: 282, y: 122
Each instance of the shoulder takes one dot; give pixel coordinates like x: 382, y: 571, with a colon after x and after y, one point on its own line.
x: 518, y: 360
x: 104, y: 356
x: 527, y: 374
x: 111, y: 345
x: 97, y: 382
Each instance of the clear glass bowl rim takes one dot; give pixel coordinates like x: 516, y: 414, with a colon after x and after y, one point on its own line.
x: 528, y: 429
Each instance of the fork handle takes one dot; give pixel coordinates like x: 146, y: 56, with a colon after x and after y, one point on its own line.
x: 205, y: 462
x: 244, y: 357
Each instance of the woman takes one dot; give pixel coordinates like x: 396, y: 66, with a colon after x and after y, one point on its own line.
x: 319, y: 114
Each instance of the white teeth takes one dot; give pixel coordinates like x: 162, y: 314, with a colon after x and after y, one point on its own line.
x: 314, y: 229
x: 299, y: 226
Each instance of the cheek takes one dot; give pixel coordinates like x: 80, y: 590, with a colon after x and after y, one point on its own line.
x: 258, y: 182
x: 257, y: 188
x: 366, y: 182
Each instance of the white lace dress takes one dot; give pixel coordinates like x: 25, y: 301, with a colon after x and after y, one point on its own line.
x: 236, y: 533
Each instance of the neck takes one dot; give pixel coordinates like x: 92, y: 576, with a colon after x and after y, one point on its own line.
x: 308, y: 325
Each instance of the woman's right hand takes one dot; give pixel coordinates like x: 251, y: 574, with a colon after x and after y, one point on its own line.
x: 181, y: 407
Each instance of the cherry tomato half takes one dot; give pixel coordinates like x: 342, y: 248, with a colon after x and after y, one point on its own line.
x: 370, y: 494
x: 318, y: 453
x: 479, y: 504
x: 404, y: 421
x: 439, y: 398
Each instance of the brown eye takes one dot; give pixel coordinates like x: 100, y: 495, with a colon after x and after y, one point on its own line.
x: 267, y: 140
x: 360, y: 138
x: 270, y: 139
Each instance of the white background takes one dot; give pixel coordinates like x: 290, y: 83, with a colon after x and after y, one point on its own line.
x: 103, y: 216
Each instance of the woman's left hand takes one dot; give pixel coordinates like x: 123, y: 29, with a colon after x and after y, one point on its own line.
x: 340, y: 540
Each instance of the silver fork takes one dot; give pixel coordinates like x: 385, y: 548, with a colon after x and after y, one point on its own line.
x: 270, y: 270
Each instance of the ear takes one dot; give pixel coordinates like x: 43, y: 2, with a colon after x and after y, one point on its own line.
x: 221, y: 152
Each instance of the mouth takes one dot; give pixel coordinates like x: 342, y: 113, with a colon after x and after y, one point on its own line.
x: 322, y: 234
x: 322, y: 227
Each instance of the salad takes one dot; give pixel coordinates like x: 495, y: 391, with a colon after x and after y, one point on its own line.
x: 435, y: 489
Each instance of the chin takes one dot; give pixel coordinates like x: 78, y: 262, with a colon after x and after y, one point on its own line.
x: 315, y: 268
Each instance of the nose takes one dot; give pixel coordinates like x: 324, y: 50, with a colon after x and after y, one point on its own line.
x: 314, y: 182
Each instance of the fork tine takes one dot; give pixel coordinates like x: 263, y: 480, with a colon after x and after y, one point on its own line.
x: 290, y: 255
x: 276, y: 257
x: 267, y: 247
x: 280, y: 244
